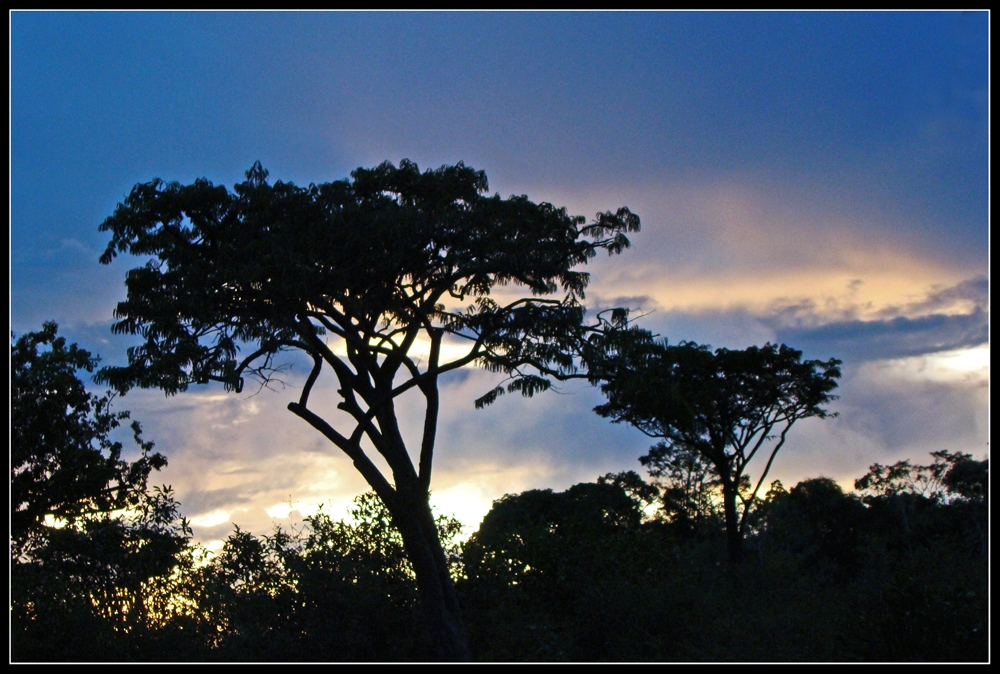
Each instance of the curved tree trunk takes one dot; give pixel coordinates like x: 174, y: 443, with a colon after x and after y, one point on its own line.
x: 440, y: 612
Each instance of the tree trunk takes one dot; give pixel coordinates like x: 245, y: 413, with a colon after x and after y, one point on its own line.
x: 734, y: 536
x: 441, y: 615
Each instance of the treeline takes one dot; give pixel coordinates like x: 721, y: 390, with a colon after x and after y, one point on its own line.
x: 104, y: 568
x: 619, y: 569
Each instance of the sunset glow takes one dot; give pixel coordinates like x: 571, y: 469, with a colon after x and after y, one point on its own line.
x: 818, y: 179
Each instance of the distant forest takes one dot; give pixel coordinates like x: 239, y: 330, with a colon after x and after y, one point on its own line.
x: 621, y: 569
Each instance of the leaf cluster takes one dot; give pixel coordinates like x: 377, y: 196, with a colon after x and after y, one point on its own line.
x: 91, y: 547
x: 705, y: 400
x: 66, y: 464
x: 374, y: 259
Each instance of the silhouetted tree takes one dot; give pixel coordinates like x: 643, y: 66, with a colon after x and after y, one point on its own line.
x: 355, y: 580
x: 914, y: 503
x: 950, y: 476
x: 816, y: 521
x: 545, y: 568
x: 380, y: 263
x: 541, y: 534
x: 690, y: 490
x: 724, y: 405
x: 87, y: 538
x: 928, y: 533
x: 327, y: 590
x: 642, y: 493
x: 64, y: 463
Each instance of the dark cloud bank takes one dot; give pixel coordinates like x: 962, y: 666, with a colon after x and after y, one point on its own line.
x: 900, y: 336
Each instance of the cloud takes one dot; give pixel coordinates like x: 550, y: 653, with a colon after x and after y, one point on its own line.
x: 946, y: 319
x: 910, y: 416
x: 892, y: 338
x: 241, y: 454
x: 974, y: 291
x: 244, y: 455
x: 755, y: 245
x: 639, y: 303
x: 847, y: 325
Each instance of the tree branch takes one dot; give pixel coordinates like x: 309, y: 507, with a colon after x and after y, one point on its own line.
x: 767, y: 468
x: 430, y: 390
x: 361, y: 461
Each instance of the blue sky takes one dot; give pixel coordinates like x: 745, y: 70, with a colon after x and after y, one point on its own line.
x: 819, y: 179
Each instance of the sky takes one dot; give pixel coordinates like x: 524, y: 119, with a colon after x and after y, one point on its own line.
x: 818, y: 179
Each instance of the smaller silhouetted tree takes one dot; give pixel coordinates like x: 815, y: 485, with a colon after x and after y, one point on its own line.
x: 816, y: 522
x: 725, y: 406
x: 949, y: 477
x: 538, y: 535
x: 87, y: 538
x: 547, y: 571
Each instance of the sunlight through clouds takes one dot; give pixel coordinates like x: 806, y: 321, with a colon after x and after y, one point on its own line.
x: 962, y: 365
x: 852, y: 224
x: 211, y: 519
x: 419, y: 352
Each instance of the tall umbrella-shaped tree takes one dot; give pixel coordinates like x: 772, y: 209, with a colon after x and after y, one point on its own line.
x: 726, y: 406
x: 362, y: 275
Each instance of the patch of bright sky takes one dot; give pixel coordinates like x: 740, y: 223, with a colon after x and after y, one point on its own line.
x: 54, y: 522
x: 468, y: 501
x: 967, y: 365
x: 332, y: 502
x: 830, y: 292
x: 211, y: 519
x: 419, y: 351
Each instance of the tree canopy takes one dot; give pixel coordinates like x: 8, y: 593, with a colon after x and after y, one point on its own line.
x: 385, y: 263
x: 724, y: 405
x: 373, y: 260
x: 87, y: 537
x: 65, y: 463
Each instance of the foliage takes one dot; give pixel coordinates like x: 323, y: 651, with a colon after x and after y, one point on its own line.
x: 540, y: 557
x: 690, y: 489
x: 642, y: 493
x: 529, y: 535
x: 382, y: 262
x: 816, y: 521
x: 829, y: 584
x: 326, y: 591
x: 950, y: 476
x: 905, y: 499
x: 90, y: 546
x: 65, y: 464
x: 574, y: 576
x: 369, y: 259
x: 724, y: 405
